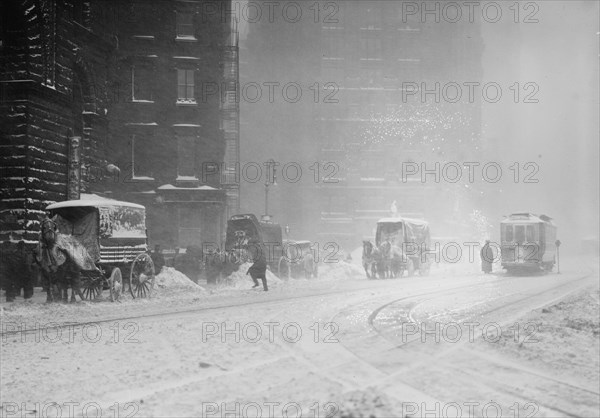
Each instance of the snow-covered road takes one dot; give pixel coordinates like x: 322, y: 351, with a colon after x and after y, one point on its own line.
x: 456, y: 343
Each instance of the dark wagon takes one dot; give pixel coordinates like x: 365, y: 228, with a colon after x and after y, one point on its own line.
x: 412, y: 236
x: 243, y: 229
x: 114, y: 234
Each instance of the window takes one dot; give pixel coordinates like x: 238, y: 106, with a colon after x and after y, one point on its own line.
x: 530, y: 233
x: 185, y: 86
x: 373, y: 18
x: 333, y: 47
x: 141, y: 84
x: 141, y: 164
x: 186, y: 156
x: 185, y: 25
x: 371, y: 48
x: 520, y: 234
x: 509, y: 233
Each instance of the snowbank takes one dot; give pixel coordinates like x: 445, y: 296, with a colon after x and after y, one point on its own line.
x: 340, y: 271
x: 171, y: 278
x: 239, y: 280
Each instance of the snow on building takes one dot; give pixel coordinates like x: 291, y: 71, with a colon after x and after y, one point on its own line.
x: 130, y: 79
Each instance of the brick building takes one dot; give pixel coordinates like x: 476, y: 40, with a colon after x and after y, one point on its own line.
x: 53, y: 54
x: 169, y: 127
x: 131, y: 80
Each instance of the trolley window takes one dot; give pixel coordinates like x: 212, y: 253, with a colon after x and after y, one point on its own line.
x: 530, y: 233
x: 520, y: 234
x: 509, y: 233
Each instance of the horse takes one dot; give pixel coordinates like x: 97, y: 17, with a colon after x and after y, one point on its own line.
x: 370, y: 258
x: 309, y: 266
x: 58, y: 266
x: 391, y: 260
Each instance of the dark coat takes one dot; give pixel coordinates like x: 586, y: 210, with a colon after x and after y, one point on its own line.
x: 259, y: 268
x: 487, y: 257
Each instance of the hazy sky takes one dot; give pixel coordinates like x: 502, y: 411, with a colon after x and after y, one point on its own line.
x: 560, y: 132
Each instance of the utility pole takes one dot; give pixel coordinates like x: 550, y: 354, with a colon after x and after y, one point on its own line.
x: 268, y: 183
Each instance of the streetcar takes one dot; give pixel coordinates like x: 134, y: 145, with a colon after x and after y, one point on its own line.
x: 528, y: 243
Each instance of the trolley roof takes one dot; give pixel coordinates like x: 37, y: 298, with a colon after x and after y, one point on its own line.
x: 400, y: 220
x: 92, y: 200
x: 526, y: 217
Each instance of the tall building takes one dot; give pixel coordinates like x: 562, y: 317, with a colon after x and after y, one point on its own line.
x: 140, y: 83
x: 167, y: 131
x: 392, y: 77
x: 363, y: 67
x: 54, y: 56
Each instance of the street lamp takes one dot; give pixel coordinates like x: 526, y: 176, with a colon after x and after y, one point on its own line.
x: 268, y: 183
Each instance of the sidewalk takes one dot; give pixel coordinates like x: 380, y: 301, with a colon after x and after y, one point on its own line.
x: 39, y: 296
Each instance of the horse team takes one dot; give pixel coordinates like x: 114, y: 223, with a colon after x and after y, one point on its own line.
x: 387, y: 261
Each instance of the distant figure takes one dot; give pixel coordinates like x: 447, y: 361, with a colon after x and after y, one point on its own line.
x: 175, y: 260
x: 394, y: 209
x: 258, y: 270
x: 487, y: 257
x: 158, y: 259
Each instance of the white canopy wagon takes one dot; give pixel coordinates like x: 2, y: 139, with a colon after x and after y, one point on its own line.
x: 113, y: 234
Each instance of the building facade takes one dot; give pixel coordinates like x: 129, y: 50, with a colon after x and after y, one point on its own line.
x: 352, y: 136
x: 53, y: 55
x: 385, y: 71
x: 142, y: 84
x: 168, y: 128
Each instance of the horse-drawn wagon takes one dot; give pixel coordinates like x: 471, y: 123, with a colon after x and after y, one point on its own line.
x: 245, y: 228
x: 97, y: 241
x: 286, y: 258
x: 401, y: 244
x: 298, y: 260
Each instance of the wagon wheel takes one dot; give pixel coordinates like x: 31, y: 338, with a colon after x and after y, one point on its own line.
x: 141, y: 279
x: 91, y: 286
x: 410, y: 268
x: 283, y: 269
x: 115, y: 283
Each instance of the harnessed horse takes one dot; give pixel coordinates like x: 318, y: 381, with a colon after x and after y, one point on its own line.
x: 391, y: 260
x: 61, y: 271
x: 370, y: 259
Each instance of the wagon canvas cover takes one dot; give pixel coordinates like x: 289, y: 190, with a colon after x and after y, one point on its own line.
x: 73, y: 248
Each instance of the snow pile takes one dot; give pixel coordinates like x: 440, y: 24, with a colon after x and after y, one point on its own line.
x: 171, y: 278
x: 340, y: 271
x: 560, y: 338
x: 239, y: 280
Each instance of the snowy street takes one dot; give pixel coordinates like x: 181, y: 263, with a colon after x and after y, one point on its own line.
x: 456, y: 343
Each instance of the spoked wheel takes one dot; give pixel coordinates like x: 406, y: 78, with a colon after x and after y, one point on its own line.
x: 91, y: 286
x: 115, y: 283
x: 141, y: 279
x: 410, y: 268
x: 283, y: 269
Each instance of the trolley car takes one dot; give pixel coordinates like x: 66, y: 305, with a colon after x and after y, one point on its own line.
x: 528, y: 243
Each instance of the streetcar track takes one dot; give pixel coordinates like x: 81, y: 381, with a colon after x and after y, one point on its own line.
x: 492, y: 384
x: 487, y: 312
x: 174, y: 313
